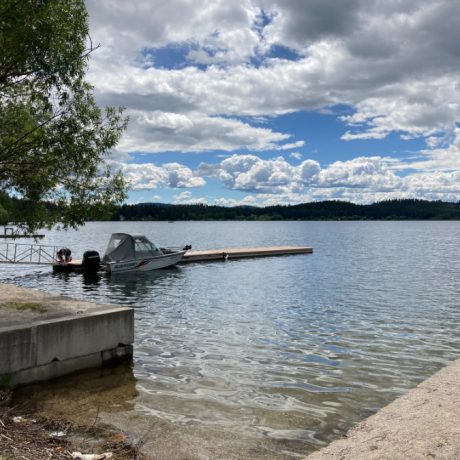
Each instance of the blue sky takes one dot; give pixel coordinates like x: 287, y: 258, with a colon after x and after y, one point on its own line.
x: 257, y: 102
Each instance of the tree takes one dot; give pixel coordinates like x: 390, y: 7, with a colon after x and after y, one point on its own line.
x: 54, y: 139
x: 4, y: 205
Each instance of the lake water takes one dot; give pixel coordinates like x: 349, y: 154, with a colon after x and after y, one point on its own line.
x: 271, y: 357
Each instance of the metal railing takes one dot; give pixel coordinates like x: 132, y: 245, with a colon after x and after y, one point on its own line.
x: 37, y: 254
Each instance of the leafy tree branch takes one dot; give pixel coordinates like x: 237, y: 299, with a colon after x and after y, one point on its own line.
x: 54, y: 138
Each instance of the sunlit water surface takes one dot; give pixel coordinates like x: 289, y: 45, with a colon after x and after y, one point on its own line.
x: 271, y: 357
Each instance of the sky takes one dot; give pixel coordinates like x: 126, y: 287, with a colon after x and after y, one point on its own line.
x: 261, y: 102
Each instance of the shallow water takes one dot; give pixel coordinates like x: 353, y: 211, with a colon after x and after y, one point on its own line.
x: 269, y: 358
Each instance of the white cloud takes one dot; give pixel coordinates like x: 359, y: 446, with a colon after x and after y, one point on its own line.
x: 155, y: 131
x: 396, y: 63
x: 362, y: 179
x: 187, y: 198
x: 364, y: 172
x: 422, y: 108
x: 434, y: 184
x: 309, y: 170
x: 293, y: 145
x: 444, y: 159
x: 222, y: 31
x: 248, y: 200
x: 147, y: 176
x: 433, y: 175
x: 371, y: 134
x: 252, y: 174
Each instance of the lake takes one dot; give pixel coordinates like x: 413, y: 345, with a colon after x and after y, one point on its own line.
x: 271, y: 357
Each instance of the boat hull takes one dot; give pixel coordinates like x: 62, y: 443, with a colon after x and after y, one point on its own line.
x: 145, y: 265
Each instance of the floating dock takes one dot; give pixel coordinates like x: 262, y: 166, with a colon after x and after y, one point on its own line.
x: 241, y: 253
x: 36, y: 254
x: 213, y: 255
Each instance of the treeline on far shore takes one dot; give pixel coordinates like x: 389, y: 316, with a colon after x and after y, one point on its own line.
x: 11, y: 210
x: 408, y: 209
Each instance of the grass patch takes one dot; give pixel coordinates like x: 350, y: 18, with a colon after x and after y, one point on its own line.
x: 25, y: 306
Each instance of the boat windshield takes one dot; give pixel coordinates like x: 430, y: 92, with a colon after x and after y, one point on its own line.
x: 144, y: 247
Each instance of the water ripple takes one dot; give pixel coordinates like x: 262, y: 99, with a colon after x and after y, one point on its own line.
x: 289, y: 351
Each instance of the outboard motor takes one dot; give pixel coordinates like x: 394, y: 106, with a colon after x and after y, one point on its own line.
x: 91, y: 261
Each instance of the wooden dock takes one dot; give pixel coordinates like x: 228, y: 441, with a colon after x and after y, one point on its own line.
x: 212, y: 255
x: 241, y: 253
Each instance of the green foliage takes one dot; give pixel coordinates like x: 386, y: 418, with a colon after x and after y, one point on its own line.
x: 5, y: 208
x: 4, y: 218
x: 54, y: 139
x: 324, y: 210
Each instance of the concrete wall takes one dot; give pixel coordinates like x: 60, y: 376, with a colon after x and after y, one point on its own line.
x: 46, y: 349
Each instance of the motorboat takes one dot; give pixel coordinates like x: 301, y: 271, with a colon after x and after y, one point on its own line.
x: 136, y: 253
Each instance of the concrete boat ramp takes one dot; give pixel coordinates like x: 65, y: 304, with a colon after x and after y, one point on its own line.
x: 422, y: 424
x: 44, y: 336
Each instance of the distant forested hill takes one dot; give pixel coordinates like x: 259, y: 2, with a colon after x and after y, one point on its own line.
x: 323, y: 210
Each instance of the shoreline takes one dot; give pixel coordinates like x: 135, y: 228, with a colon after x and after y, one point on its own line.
x: 424, y: 423
x: 44, y: 337
x: 26, y: 435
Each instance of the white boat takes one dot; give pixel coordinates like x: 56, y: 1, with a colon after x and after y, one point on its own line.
x: 136, y: 253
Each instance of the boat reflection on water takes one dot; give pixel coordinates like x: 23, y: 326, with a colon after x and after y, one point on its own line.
x: 128, y: 289
x: 142, y: 284
x: 89, y: 279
